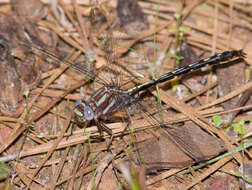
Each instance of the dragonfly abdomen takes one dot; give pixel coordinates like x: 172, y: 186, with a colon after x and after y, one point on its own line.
x: 216, y: 59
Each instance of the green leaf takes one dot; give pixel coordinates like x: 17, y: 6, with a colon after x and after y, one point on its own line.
x: 91, y: 60
x: 173, y: 30
x: 181, y: 34
x: 184, y: 29
x: 174, y: 85
x: 26, y: 93
x: 240, y: 128
x: 177, y: 16
x: 217, y: 120
x: 28, y: 127
x: 174, y: 88
x: 228, y: 128
x: 178, y: 57
x: 5, y: 171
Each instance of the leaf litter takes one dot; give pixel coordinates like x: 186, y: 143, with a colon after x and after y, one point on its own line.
x: 41, y: 140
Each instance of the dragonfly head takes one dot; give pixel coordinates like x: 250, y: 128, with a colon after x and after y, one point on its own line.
x: 83, y: 111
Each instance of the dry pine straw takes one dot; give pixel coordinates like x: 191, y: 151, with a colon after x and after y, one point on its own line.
x: 200, y: 37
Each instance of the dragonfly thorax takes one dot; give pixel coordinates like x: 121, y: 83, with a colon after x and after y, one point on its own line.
x: 104, y: 101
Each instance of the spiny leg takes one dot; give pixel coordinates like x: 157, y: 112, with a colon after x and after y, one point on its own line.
x: 127, y: 120
x: 102, y: 127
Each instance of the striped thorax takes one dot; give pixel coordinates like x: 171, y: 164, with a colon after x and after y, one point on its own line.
x: 104, y: 101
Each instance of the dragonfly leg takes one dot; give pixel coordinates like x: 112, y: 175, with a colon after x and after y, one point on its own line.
x: 127, y: 120
x: 102, y: 127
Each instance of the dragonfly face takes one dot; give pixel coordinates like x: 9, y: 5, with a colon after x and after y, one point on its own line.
x: 83, y: 112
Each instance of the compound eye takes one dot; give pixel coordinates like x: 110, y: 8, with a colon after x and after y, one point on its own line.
x: 77, y: 103
x: 88, y: 113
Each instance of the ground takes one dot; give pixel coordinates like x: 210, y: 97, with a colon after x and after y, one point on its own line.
x: 180, y: 135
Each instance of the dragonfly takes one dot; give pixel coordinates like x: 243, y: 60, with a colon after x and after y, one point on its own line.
x: 111, y: 98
